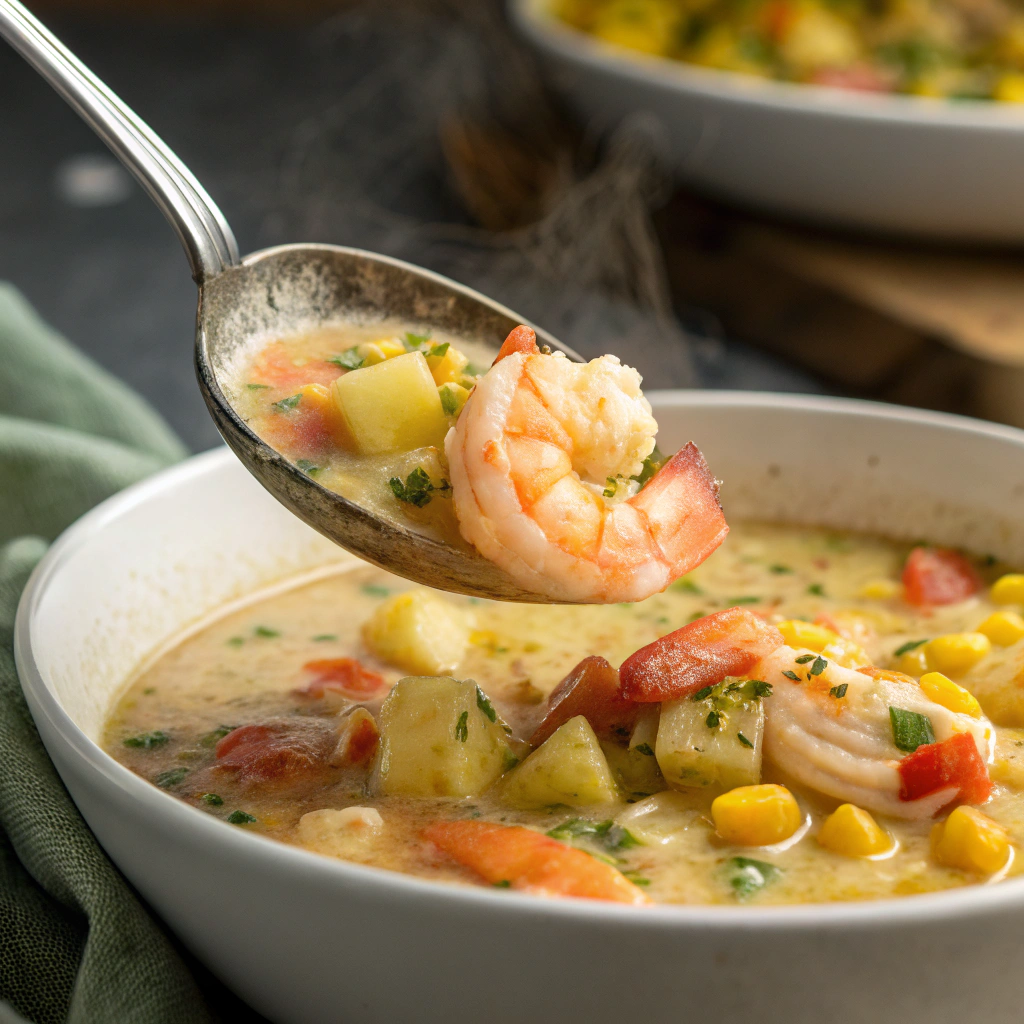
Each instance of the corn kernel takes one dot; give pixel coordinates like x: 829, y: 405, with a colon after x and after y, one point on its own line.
x: 852, y: 832
x: 880, y: 590
x: 971, y: 841
x: 1008, y: 589
x: 371, y: 353
x: 1010, y: 88
x: 449, y: 367
x: 391, y: 348
x: 756, y: 815
x: 914, y: 663
x: 644, y: 25
x: 956, y: 653
x: 453, y: 398
x: 798, y: 633
x: 948, y: 694
x: 1003, y: 628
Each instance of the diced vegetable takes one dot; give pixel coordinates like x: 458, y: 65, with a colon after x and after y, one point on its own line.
x: 727, y: 643
x: 276, y: 750
x: 956, y: 653
x: 392, y: 406
x: 1003, y: 628
x: 853, y: 832
x: 747, y: 877
x: 345, y: 676
x: 453, y: 398
x: 715, y: 740
x: 936, y: 576
x: 357, y: 739
x: 591, y: 689
x: 661, y: 818
x: 955, y: 763
x: 340, y: 833
x: 525, y: 860
x: 419, y: 632
x: 446, y: 364
x: 568, y: 768
x: 942, y: 690
x: 436, y: 740
x: 822, y: 638
x: 1008, y: 589
x: 635, y: 770
x: 910, y: 730
x: 970, y: 841
x: 756, y: 815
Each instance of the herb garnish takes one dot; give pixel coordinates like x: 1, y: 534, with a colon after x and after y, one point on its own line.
x: 323, y: 637
x: 266, y: 632
x: 439, y: 350
x: 212, y: 738
x: 485, y: 705
x: 240, y: 818
x: 308, y: 467
x: 713, y: 720
x: 804, y: 658
x: 612, y: 486
x: 703, y: 693
x: 910, y: 645
x: 789, y: 674
x: 417, y: 489
x: 819, y: 666
x: 257, y: 387
x: 448, y: 404
x: 503, y: 884
x: 687, y: 585
x: 742, y: 600
x: 147, y: 740
x: 817, y: 589
x: 287, y: 404
x: 644, y: 748
x: 910, y: 730
x: 350, y: 359
x: 743, y: 739
x: 839, y: 691
x: 212, y: 799
x: 414, y: 341
x: 375, y: 590
x: 780, y: 570
x: 651, y: 465
x: 171, y: 777
x: 462, y: 727
x: 607, y: 833
x: 235, y: 641
x: 748, y: 876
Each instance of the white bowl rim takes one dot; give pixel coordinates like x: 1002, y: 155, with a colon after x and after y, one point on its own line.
x: 946, y: 905
x: 534, y: 19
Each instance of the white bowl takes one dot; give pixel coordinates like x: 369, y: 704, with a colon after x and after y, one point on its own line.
x: 932, y: 168
x: 306, y: 939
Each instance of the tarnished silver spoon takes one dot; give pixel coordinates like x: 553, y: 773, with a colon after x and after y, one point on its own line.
x: 275, y: 292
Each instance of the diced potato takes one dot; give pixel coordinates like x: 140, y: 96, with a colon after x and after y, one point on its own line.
x: 661, y: 818
x: 569, y: 767
x: 419, y: 632
x: 447, y: 368
x: 340, y: 833
x: 437, y: 739
x: 636, y: 772
x: 392, y: 406
x: 695, y: 750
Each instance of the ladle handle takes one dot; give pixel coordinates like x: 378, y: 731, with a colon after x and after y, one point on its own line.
x: 208, y: 240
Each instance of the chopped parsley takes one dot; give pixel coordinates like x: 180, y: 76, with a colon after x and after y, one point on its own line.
x: 147, y: 740
x: 266, y: 632
x: 606, y: 833
x: 375, y: 590
x: 819, y: 666
x: 235, y: 641
x: 636, y: 879
x: 448, y: 403
x: 743, y: 739
x: 324, y: 637
x: 462, y: 727
x: 439, y: 350
x: 212, y: 799
x: 241, y: 818
x: 713, y: 719
x: 414, y: 341
x: 612, y: 485
x: 685, y: 584
x: 789, y: 674
x: 171, y: 777
x: 747, y: 876
x: 350, y: 359
x: 417, y: 489
x: 804, y: 658
x: 211, y: 739
x: 780, y: 570
x: 703, y: 693
x: 503, y: 884
x: 910, y: 730
x: 484, y: 704
x: 651, y: 465
x: 839, y: 691
x: 644, y: 748
x: 742, y: 600
x: 910, y: 645
x: 287, y: 404
x: 309, y: 468
x: 817, y: 589
x: 257, y: 387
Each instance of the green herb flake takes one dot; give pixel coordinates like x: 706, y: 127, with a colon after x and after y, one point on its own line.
x: 743, y: 739
x: 235, y: 641
x: 503, y: 884
x: 607, y: 833
x: 910, y: 730
x: 742, y: 600
x: 651, y: 465
x: 149, y: 691
x: 819, y: 666
x: 448, y: 403
x: 713, y: 720
x: 439, y: 350
x: 309, y: 468
x: 287, y: 404
x: 804, y: 658
x: 612, y: 486
x: 703, y: 693
x: 240, y: 818
x: 172, y: 777
x: 484, y: 704
x: 747, y: 876
x: 211, y: 739
x: 686, y: 585
x: 147, y: 740
x: 350, y: 359
x: 212, y: 800
x: 780, y: 570
x: 839, y: 692
x: 266, y: 632
x: 644, y: 748
x: 910, y: 645
x: 817, y: 589
x: 412, y: 342
x: 789, y: 674
x: 257, y: 387
x: 375, y: 590
x: 321, y: 638
x: 417, y: 489
x: 462, y: 727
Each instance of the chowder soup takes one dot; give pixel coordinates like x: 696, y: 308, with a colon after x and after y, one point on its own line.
x: 361, y: 718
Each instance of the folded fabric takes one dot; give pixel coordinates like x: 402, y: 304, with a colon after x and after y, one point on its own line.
x: 77, y: 943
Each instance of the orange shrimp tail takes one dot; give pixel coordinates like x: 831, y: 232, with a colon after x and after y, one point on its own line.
x: 520, y: 339
x: 682, y: 508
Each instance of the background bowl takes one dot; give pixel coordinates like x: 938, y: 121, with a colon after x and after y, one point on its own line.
x: 930, y: 168
x: 306, y: 939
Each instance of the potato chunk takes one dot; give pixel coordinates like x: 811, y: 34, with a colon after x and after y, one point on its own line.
x: 391, y: 406
x: 715, y: 741
x: 419, y: 632
x: 340, y: 833
x: 567, y: 768
x: 438, y: 738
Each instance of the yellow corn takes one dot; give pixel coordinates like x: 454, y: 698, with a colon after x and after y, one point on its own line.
x: 971, y: 841
x: 756, y: 815
x: 880, y: 590
x: 371, y: 353
x: 449, y: 367
x: 914, y: 662
x: 956, y: 653
x: 645, y: 25
x: 391, y: 348
x: 1003, y: 628
x: 1010, y: 88
x: 1008, y: 589
x: 798, y: 633
x: 945, y: 692
x: 852, y: 832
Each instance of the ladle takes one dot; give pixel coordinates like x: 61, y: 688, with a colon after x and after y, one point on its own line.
x: 276, y: 292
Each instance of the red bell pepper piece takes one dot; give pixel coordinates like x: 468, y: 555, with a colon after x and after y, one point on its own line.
x: 273, y: 750
x: 953, y: 762
x: 523, y: 859
x: 727, y: 643
x: 938, y: 576
x: 342, y: 675
x: 591, y: 689
x: 520, y: 339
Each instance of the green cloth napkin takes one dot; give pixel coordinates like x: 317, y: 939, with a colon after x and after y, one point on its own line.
x: 76, y: 941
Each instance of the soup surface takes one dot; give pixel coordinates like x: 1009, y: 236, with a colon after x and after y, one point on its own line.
x: 284, y: 718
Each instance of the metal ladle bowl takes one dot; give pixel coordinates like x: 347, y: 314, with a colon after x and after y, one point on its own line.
x: 277, y: 292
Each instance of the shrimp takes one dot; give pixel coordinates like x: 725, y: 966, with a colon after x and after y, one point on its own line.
x: 542, y: 464
x: 834, y: 732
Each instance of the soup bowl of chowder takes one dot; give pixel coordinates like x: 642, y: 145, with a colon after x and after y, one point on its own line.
x: 237, y: 707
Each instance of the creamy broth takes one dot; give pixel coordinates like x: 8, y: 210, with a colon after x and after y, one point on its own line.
x: 246, y: 668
